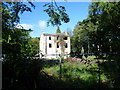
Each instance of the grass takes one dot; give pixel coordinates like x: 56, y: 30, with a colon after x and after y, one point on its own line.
x: 77, y: 71
x: 83, y: 75
x: 26, y: 74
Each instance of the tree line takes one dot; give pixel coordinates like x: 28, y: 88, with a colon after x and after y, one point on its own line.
x: 100, y: 31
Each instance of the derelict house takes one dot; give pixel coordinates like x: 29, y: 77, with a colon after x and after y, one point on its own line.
x: 51, y: 45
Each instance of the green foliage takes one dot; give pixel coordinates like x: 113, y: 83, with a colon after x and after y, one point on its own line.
x: 56, y: 13
x: 58, y: 30
x: 105, y: 16
x: 11, y: 11
x: 16, y: 42
x: 77, y: 75
x: 32, y: 47
x: 81, y: 36
x: 101, y: 29
x: 21, y: 73
x: 13, y: 39
x: 19, y: 69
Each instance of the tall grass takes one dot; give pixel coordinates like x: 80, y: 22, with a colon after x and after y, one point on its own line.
x: 77, y: 71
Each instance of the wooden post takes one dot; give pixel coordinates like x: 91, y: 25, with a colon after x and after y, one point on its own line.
x: 60, y: 73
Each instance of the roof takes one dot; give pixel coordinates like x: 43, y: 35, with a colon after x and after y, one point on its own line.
x: 56, y: 34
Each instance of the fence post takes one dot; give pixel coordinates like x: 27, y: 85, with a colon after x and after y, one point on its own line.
x: 60, y: 73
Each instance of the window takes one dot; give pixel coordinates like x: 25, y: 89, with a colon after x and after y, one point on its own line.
x: 65, y: 38
x: 57, y: 37
x: 50, y: 45
x: 66, y: 45
x: 49, y: 38
x: 57, y: 45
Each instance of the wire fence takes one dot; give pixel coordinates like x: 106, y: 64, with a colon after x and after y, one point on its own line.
x: 78, y: 55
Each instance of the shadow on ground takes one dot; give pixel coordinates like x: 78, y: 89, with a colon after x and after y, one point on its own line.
x: 28, y: 75
x: 112, y: 70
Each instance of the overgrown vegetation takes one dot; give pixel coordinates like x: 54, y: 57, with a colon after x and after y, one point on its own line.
x: 21, y: 74
x: 20, y: 70
x: 79, y: 75
x: 99, y: 33
x: 85, y: 75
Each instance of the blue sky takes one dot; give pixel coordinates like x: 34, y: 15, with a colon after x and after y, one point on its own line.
x: 37, y: 19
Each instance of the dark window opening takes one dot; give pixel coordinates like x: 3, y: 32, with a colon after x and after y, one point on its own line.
x: 50, y: 45
x: 65, y: 38
x: 57, y: 45
x: 57, y: 37
x: 66, y: 45
x: 49, y: 38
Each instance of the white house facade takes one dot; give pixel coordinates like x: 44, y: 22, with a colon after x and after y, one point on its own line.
x: 51, y: 45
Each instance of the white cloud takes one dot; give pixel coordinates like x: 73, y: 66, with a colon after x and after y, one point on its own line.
x: 42, y: 24
x: 25, y: 26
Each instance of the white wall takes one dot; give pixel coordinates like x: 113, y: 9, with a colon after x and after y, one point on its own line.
x: 44, y: 45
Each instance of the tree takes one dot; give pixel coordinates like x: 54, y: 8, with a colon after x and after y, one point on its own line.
x: 81, y: 36
x: 19, y: 70
x: 33, y: 47
x: 58, y: 30
x: 56, y: 13
x: 100, y: 29
x: 10, y: 15
x: 13, y: 38
x: 105, y: 15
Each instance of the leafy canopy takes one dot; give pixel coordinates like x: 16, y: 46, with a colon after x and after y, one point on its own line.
x: 56, y: 13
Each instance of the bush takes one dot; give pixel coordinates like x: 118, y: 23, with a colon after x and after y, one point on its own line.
x: 20, y: 73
